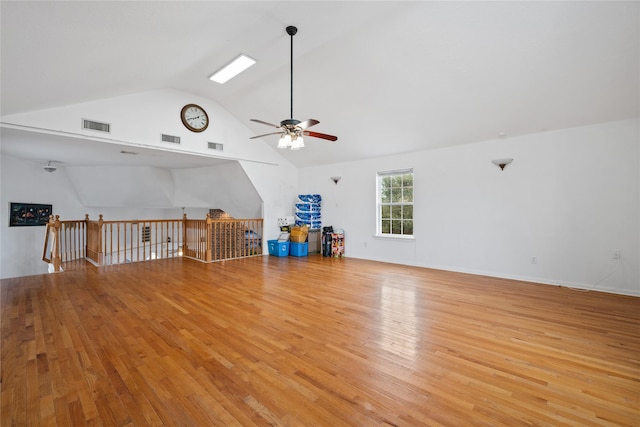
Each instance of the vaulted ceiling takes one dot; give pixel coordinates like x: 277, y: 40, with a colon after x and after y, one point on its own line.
x: 386, y: 77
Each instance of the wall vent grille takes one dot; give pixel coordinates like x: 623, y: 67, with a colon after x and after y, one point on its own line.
x: 97, y: 126
x: 170, y: 138
x: 215, y: 146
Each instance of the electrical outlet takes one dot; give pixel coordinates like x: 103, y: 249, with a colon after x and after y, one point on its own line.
x: 616, y: 255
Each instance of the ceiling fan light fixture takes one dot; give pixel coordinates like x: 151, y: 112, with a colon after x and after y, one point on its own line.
x: 232, y: 69
x: 297, y: 143
x: 284, y: 141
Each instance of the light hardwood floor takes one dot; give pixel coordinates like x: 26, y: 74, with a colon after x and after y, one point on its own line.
x: 312, y: 342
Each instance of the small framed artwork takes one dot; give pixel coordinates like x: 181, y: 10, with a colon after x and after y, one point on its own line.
x: 28, y: 214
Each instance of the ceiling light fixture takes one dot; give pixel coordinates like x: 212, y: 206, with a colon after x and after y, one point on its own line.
x: 501, y: 162
x: 232, y: 69
x: 49, y: 167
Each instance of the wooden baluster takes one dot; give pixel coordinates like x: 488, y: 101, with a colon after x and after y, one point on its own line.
x: 143, y: 240
x: 155, y: 227
x: 224, y: 244
x: 174, y: 252
x: 203, y: 232
x: 184, y: 234
x: 109, y: 259
x: 233, y: 253
x: 99, y: 234
x: 87, y: 236
x: 175, y: 245
x: 78, y: 240
x: 82, y: 239
x: 73, y: 237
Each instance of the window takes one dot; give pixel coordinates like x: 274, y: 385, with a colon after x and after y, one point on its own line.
x: 395, y: 203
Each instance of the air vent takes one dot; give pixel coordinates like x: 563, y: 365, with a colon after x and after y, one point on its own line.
x: 215, y: 146
x: 97, y: 126
x: 170, y: 138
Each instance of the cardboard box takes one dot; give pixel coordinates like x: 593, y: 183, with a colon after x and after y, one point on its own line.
x: 299, y: 234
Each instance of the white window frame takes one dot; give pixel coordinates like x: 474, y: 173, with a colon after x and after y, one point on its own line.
x: 379, y: 204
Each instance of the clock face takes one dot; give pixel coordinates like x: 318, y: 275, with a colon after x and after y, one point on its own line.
x: 194, y: 117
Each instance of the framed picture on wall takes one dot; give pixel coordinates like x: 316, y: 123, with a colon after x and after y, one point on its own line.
x: 28, y: 214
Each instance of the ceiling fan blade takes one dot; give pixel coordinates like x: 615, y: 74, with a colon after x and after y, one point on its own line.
x: 265, y: 123
x: 308, y: 123
x: 320, y: 135
x: 266, y: 134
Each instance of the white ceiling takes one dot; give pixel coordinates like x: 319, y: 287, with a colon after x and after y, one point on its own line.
x: 385, y: 77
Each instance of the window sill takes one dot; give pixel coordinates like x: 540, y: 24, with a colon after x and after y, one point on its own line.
x: 393, y: 237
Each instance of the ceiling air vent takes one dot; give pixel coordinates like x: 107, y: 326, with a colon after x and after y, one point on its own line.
x: 215, y: 146
x: 170, y: 138
x: 97, y: 126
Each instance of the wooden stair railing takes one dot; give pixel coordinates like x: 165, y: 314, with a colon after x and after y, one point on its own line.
x: 221, y: 239
x: 114, y: 242
x: 64, y: 241
x: 51, y: 251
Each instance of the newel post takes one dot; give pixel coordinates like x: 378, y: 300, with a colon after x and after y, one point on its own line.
x: 86, y: 234
x: 56, y: 259
x: 209, y: 238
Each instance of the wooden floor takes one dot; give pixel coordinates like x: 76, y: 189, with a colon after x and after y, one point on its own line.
x: 312, y: 342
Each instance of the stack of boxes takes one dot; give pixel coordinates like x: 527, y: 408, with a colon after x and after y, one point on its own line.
x: 308, y: 211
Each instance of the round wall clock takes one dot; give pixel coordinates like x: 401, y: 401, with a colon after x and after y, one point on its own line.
x: 194, y: 117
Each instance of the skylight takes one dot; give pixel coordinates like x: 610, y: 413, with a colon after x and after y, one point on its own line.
x: 232, y: 69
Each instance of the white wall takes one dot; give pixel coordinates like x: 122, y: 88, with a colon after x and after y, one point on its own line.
x: 27, y: 182
x: 226, y: 186
x: 570, y: 198
x: 156, y: 112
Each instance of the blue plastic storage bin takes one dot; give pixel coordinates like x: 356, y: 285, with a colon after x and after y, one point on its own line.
x: 298, y: 249
x: 278, y: 248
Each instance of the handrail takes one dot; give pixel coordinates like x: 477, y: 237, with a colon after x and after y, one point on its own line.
x: 106, y: 242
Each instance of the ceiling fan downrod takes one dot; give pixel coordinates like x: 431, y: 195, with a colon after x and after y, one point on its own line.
x: 291, y: 128
x: 291, y: 30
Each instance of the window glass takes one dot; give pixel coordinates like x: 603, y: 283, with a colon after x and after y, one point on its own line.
x: 395, y: 203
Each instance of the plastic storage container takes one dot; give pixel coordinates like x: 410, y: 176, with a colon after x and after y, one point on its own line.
x: 298, y: 249
x: 278, y: 248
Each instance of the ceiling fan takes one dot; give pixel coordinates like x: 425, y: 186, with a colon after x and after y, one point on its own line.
x: 291, y: 130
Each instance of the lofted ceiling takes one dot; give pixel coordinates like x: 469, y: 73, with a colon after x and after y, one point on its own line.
x: 385, y: 77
